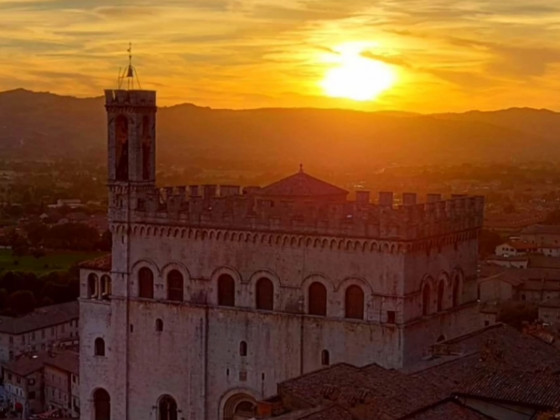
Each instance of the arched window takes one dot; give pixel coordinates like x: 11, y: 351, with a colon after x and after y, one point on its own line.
x: 175, y: 286
x: 92, y: 286
x: 106, y: 287
x: 99, y: 347
x: 146, y: 148
x: 121, y: 148
x: 243, y: 348
x: 440, y: 295
x: 145, y: 283
x: 354, y: 302
x: 265, y: 294
x: 325, y: 358
x: 167, y: 408
x: 317, y: 304
x: 101, y: 405
x: 226, y: 290
x: 159, y: 325
x: 426, y: 295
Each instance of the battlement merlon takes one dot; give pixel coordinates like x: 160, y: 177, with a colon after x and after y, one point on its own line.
x: 125, y: 98
x: 230, y: 207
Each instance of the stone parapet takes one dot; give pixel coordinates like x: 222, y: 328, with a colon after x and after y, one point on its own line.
x: 233, y: 208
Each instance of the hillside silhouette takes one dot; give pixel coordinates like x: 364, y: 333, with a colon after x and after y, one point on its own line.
x: 47, y: 126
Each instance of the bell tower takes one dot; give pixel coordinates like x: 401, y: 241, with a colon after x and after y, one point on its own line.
x: 131, y: 135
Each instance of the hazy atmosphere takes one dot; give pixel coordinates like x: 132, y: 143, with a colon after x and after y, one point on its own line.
x: 438, y: 55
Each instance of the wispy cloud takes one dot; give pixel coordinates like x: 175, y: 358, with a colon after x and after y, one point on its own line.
x: 448, y: 54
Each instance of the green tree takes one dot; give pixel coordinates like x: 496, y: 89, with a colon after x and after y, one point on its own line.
x: 22, y: 302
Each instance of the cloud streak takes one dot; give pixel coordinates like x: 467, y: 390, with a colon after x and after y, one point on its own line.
x: 447, y: 54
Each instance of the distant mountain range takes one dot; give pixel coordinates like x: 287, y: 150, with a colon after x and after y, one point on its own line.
x: 43, y: 125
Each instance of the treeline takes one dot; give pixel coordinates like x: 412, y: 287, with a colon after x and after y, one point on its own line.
x: 75, y: 236
x: 21, y: 292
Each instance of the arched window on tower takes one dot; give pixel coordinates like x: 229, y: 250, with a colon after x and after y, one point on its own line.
x: 325, y: 358
x: 145, y: 283
x: 167, y: 408
x: 265, y: 294
x: 146, y: 148
x: 426, y: 296
x: 101, y: 405
x: 440, y: 295
x: 99, y: 347
x: 317, y: 299
x: 175, y: 286
x: 354, y: 303
x: 92, y: 286
x: 106, y: 286
x: 226, y: 290
x: 121, y: 146
x: 159, y: 325
x: 243, y: 348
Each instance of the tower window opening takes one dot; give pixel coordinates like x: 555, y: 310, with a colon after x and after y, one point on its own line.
x: 243, y: 348
x: 121, y: 146
x: 325, y: 358
x: 99, y: 347
x: 159, y: 325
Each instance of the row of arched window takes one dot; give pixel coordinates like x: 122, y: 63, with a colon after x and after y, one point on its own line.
x: 440, y: 303
x: 264, y: 293
x: 99, y: 288
x: 166, y: 406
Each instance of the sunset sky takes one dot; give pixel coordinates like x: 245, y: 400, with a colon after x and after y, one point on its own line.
x: 444, y: 55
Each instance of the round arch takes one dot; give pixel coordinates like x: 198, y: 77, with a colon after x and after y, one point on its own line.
x: 238, y: 404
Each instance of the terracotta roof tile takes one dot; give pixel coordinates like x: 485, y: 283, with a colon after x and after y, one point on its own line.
x: 42, y: 317
x: 302, y: 185
x: 103, y: 263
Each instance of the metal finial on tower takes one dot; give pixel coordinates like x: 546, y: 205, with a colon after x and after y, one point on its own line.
x: 129, y: 73
x: 301, y: 167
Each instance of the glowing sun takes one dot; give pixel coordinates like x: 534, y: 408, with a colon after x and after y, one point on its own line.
x: 357, y: 77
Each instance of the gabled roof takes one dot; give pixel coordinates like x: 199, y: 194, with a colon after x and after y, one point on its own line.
x: 102, y: 263
x: 301, y: 185
x: 42, y: 317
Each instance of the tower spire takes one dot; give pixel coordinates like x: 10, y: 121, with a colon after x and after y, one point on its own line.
x: 129, y: 73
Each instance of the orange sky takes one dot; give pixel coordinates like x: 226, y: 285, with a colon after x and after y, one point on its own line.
x: 446, y: 55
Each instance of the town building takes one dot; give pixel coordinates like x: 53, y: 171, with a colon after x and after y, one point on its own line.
x: 45, y: 328
x: 214, y: 294
x: 62, y: 382
x: 495, y: 373
x: 23, y: 384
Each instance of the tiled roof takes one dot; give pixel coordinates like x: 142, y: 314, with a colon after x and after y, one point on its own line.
x: 493, y: 363
x: 302, y: 185
x: 65, y: 360
x: 541, y: 229
x: 524, y: 388
x: 42, y: 317
x: 24, y: 365
x: 103, y: 263
x: 447, y: 410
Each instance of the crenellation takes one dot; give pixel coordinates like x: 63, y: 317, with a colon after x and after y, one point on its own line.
x: 183, y: 205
